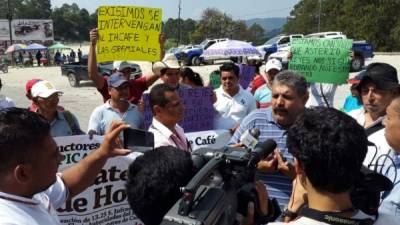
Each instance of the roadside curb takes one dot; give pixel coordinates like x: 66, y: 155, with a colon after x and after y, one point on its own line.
x: 386, y: 53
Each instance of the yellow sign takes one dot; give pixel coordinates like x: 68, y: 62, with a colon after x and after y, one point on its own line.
x: 128, y: 33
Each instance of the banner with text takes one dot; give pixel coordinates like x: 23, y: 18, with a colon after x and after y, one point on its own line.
x: 105, y: 202
x: 208, y: 139
x: 128, y: 33
x: 321, y: 60
x: 199, y: 109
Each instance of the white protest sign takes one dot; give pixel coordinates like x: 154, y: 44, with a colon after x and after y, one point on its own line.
x: 105, y: 202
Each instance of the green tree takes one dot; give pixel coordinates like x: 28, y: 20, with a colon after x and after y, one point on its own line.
x: 374, y: 21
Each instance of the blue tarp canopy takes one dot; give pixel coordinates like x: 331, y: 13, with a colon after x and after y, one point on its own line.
x: 35, y: 46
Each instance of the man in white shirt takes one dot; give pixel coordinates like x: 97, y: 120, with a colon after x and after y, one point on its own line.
x: 167, y: 110
x: 233, y: 102
x: 117, y: 107
x: 30, y: 187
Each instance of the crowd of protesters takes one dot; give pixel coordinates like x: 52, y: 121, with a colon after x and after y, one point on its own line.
x: 320, y: 150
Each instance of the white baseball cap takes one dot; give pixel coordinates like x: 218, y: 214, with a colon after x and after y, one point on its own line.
x: 273, y: 64
x: 43, y: 89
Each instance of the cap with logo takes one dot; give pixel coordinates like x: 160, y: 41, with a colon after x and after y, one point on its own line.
x: 43, y: 89
x: 273, y: 64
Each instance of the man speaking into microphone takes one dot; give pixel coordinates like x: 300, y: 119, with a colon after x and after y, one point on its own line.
x: 289, y: 96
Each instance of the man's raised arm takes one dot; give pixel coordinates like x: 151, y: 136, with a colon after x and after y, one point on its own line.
x: 92, y: 61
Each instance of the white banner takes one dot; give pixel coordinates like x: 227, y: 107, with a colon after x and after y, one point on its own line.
x: 105, y: 202
x: 31, y: 30
x: 208, y: 139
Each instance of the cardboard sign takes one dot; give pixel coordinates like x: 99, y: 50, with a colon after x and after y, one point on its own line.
x: 246, y: 75
x: 199, y: 109
x: 321, y: 60
x: 128, y: 33
x: 105, y: 202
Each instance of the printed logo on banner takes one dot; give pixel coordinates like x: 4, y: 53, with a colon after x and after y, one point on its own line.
x: 199, y: 109
x: 105, y: 202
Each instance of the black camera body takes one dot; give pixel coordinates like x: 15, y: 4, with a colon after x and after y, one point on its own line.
x: 222, y: 188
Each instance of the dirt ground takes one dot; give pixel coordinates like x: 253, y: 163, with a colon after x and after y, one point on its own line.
x: 81, y: 101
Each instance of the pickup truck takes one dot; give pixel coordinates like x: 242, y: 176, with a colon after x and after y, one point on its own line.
x: 78, y: 71
x: 361, y: 50
x: 275, y: 43
x: 191, y: 55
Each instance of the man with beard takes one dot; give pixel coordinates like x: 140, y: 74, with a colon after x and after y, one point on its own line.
x: 289, y: 96
x: 168, y: 110
x: 116, y: 108
x: 378, y: 87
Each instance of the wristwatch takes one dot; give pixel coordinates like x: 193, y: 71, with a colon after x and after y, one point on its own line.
x: 288, y: 214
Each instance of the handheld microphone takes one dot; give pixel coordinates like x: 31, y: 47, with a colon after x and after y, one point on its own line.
x: 250, y: 138
x: 261, y: 151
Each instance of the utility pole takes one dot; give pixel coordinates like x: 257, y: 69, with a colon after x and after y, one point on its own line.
x: 179, y: 23
x: 319, y: 16
x: 9, y: 17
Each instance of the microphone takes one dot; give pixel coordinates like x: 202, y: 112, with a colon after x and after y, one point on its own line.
x: 250, y: 138
x: 261, y: 151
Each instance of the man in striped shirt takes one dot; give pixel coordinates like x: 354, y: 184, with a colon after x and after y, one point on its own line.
x: 289, y: 96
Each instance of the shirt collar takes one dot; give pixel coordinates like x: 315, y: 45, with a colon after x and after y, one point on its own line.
x: 160, y: 127
x: 227, y: 95
x: 19, y: 199
x: 108, y: 105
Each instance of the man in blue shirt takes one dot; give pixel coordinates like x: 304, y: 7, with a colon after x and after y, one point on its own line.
x: 117, y: 107
x: 289, y: 96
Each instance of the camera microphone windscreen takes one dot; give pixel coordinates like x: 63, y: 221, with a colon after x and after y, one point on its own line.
x: 250, y: 138
x: 261, y: 151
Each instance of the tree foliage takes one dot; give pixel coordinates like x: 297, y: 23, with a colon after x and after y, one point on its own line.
x: 371, y: 20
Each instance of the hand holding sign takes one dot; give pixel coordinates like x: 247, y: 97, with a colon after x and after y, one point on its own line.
x: 93, y: 36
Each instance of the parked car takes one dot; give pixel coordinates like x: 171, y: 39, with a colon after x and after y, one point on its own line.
x: 78, y: 71
x: 275, y: 43
x: 190, y: 55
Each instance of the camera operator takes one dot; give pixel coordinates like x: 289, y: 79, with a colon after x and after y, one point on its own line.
x: 329, y: 148
x: 155, y: 179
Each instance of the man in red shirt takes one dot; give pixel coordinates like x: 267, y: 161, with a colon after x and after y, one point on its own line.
x: 137, y: 86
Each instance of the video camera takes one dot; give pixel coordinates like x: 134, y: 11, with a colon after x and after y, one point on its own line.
x: 223, y: 186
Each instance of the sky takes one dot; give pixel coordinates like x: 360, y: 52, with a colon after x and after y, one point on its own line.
x: 238, y: 9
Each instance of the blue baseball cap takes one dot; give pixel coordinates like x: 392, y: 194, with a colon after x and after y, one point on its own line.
x: 116, y: 80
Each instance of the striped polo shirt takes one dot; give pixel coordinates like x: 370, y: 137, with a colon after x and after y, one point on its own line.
x: 278, y: 185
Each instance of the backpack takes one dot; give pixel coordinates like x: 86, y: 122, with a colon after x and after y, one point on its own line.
x: 71, y: 123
